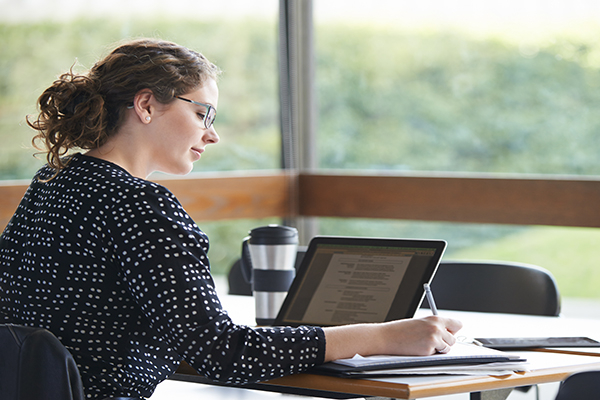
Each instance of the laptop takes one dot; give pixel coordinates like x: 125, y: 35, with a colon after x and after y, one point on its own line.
x: 346, y: 280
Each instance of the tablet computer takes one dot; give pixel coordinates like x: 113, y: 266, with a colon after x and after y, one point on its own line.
x: 345, y: 280
x: 537, y: 342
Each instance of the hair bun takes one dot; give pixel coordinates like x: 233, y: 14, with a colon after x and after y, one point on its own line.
x: 77, y: 99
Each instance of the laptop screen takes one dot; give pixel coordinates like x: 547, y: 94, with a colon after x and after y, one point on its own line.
x: 344, y: 280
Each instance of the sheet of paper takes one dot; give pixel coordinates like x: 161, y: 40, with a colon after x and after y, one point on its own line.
x: 458, y: 351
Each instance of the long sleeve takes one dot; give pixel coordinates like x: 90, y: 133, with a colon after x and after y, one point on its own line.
x: 166, y: 267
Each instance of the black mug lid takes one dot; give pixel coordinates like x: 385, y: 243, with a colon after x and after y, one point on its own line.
x: 274, y: 234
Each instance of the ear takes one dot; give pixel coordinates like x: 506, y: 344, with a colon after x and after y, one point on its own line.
x: 143, y: 105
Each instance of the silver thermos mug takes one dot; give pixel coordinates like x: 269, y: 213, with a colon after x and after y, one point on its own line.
x: 268, y: 263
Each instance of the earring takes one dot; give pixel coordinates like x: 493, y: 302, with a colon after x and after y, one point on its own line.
x: 148, y: 118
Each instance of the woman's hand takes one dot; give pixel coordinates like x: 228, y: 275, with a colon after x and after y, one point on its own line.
x: 416, y: 337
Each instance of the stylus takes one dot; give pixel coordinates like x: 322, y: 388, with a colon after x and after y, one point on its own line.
x: 430, y: 299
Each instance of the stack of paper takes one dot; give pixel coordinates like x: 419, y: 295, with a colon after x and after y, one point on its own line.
x: 463, y: 358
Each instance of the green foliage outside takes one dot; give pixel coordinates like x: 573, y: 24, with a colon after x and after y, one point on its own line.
x: 571, y: 254
x: 447, y: 101
x: 33, y: 55
x: 390, y: 99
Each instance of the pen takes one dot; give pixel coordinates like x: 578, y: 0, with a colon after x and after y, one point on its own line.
x: 430, y: 299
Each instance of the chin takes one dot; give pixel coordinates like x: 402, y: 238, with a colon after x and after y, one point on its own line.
x: 188, y: 169
x: 179, y: 169
x: 183, y: 171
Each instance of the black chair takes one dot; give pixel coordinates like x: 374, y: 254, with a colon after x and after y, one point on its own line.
x: 494, y: 286
x: 582, y: 385
x: 237, y: 283
x: 34, y: 365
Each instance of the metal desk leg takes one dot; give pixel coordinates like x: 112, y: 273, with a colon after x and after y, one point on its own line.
x: 497, y: 394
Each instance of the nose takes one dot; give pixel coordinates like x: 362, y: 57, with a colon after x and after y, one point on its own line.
x: 211, y: 136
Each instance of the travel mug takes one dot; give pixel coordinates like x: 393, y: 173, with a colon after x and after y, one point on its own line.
x: 268, y: 263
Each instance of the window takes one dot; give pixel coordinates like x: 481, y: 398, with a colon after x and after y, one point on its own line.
x: 469, y: 87
x: 459, y: 85
x: 40, y: 40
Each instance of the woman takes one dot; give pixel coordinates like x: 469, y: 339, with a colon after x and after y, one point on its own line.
x: 112, y: 264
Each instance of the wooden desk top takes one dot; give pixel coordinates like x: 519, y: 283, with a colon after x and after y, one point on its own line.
x: 546, y: 366
x: 558, y: 367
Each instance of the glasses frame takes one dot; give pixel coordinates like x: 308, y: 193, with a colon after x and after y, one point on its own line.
x: 210, y: 111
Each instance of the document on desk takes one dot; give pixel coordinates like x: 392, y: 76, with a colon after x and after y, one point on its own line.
x: 463, y: 358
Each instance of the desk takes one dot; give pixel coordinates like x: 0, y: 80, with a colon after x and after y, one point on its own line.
x: 547, y: 366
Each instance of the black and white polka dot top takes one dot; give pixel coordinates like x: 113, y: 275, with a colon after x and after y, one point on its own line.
x: 118, y: 271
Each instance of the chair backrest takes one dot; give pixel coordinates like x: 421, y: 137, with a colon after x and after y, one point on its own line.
x: 582, y: 385
x: 237, y: 283
x: 34, y: 365
x: 493, y: 286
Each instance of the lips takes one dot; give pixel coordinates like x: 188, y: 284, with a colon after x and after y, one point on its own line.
x: 197, y: 152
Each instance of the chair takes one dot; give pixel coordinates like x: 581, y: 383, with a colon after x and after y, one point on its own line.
x: 493, y: 286
x: 34, y: 365
x: 582, y: 385
x: 237, y: 283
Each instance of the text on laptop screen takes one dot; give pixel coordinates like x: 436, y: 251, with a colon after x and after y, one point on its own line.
x: 350, y: 284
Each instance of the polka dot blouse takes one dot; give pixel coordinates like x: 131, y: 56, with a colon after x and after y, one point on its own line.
x: 118, y: 271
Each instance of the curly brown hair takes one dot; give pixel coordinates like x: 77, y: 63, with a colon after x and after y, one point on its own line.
x: 83, y: 111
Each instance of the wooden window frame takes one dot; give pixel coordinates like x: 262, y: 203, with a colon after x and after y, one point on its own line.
x: 465, y: 198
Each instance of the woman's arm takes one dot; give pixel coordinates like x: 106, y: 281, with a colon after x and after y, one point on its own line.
x: 418, y: 337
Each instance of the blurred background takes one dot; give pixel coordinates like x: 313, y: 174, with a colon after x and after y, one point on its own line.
x: 443, y: 86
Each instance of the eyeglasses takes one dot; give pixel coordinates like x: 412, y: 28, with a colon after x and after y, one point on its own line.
x: 211, y: 113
